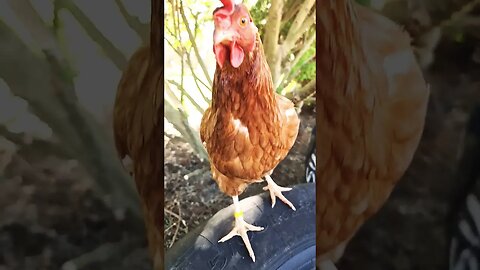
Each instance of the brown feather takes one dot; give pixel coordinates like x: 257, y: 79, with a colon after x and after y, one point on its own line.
x: 248, y: 129
x: 138, y: 132
x: 372, y: 105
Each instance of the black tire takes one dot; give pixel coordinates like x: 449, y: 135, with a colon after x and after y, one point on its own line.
x: 311, y: 160
x: 287, y: 242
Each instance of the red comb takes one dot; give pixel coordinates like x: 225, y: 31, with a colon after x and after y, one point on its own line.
x: 228, y: 5
x: 227, y: 8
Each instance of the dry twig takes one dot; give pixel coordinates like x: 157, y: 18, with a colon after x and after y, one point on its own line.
x: 140, y: 28
x: 112, y: 52
x: 194, y: 45
x: 178, y: 227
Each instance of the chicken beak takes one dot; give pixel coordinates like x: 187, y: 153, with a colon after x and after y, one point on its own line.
x: 224, y: 37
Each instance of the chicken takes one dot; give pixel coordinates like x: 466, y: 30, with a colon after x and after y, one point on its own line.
x: 372, y: 101
x: 138, y: 129
x: 248, y: 128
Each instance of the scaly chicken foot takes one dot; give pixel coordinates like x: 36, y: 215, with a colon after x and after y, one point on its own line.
x: 276, y: 191
x: 241, y: 228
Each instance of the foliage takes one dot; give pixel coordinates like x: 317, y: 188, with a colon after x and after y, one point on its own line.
x: 259, y: 12
x: 306, y: 68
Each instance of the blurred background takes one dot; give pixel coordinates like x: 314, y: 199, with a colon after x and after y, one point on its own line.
x: 65, y: 200
x: 413, y: 229
x: 191, y: 195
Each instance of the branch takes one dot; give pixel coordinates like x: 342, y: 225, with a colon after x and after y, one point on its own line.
x: 454, y: 13
x: 305, y: 48
x: 112, y: 52
x: 196, y: 24
x: 304, y: 92
x: 180, y: 87
x: 196, y: 79
x: 463, y: 11
x: 300, y: 18
x: 175, y: 16
x: 274, y: 18
x: 307, y: 102
x: 56, y: 24
x: 194, y: 45
x: 270, y: 40
x: 291, y: 12
x: 308, y: 89
x: 45, y: 88
x: 58, y: 31
x: 140, y: 28
x: 293, y: 36
x: 42, y: 35
x: 173, y: 47
x: 294, y: 72
x: 190, y: 65
x: 470, y: 21
x: 178, y: 118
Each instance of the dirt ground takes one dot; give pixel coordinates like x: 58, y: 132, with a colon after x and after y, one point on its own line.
x: 50, y: 215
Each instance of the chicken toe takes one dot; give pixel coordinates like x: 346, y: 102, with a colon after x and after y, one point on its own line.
x: 241, y: 228
x: 276, y: 191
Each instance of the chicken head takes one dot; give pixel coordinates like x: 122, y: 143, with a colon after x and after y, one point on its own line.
x: 235, y: 33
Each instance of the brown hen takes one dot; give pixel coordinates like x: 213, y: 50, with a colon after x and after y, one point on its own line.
x: 372, y: 102
x: 248, y: 129
x: 138, y: 129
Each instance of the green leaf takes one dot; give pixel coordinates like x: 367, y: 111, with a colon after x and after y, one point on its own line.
x: 259, y: 13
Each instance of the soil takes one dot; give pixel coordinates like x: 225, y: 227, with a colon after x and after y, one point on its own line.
x: 50, y: 215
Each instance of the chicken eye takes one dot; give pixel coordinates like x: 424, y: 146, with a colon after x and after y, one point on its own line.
x: 243, y: 21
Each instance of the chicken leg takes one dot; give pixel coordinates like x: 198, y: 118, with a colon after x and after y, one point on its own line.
x: 241, y: 228
x: 276, y: 191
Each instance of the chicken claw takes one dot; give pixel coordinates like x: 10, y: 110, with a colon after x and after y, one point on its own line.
x: 276, y: 191
x: 241, y: 228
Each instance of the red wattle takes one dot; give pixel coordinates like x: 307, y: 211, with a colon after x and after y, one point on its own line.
x: 236, y: 55
x: 220, y: 54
